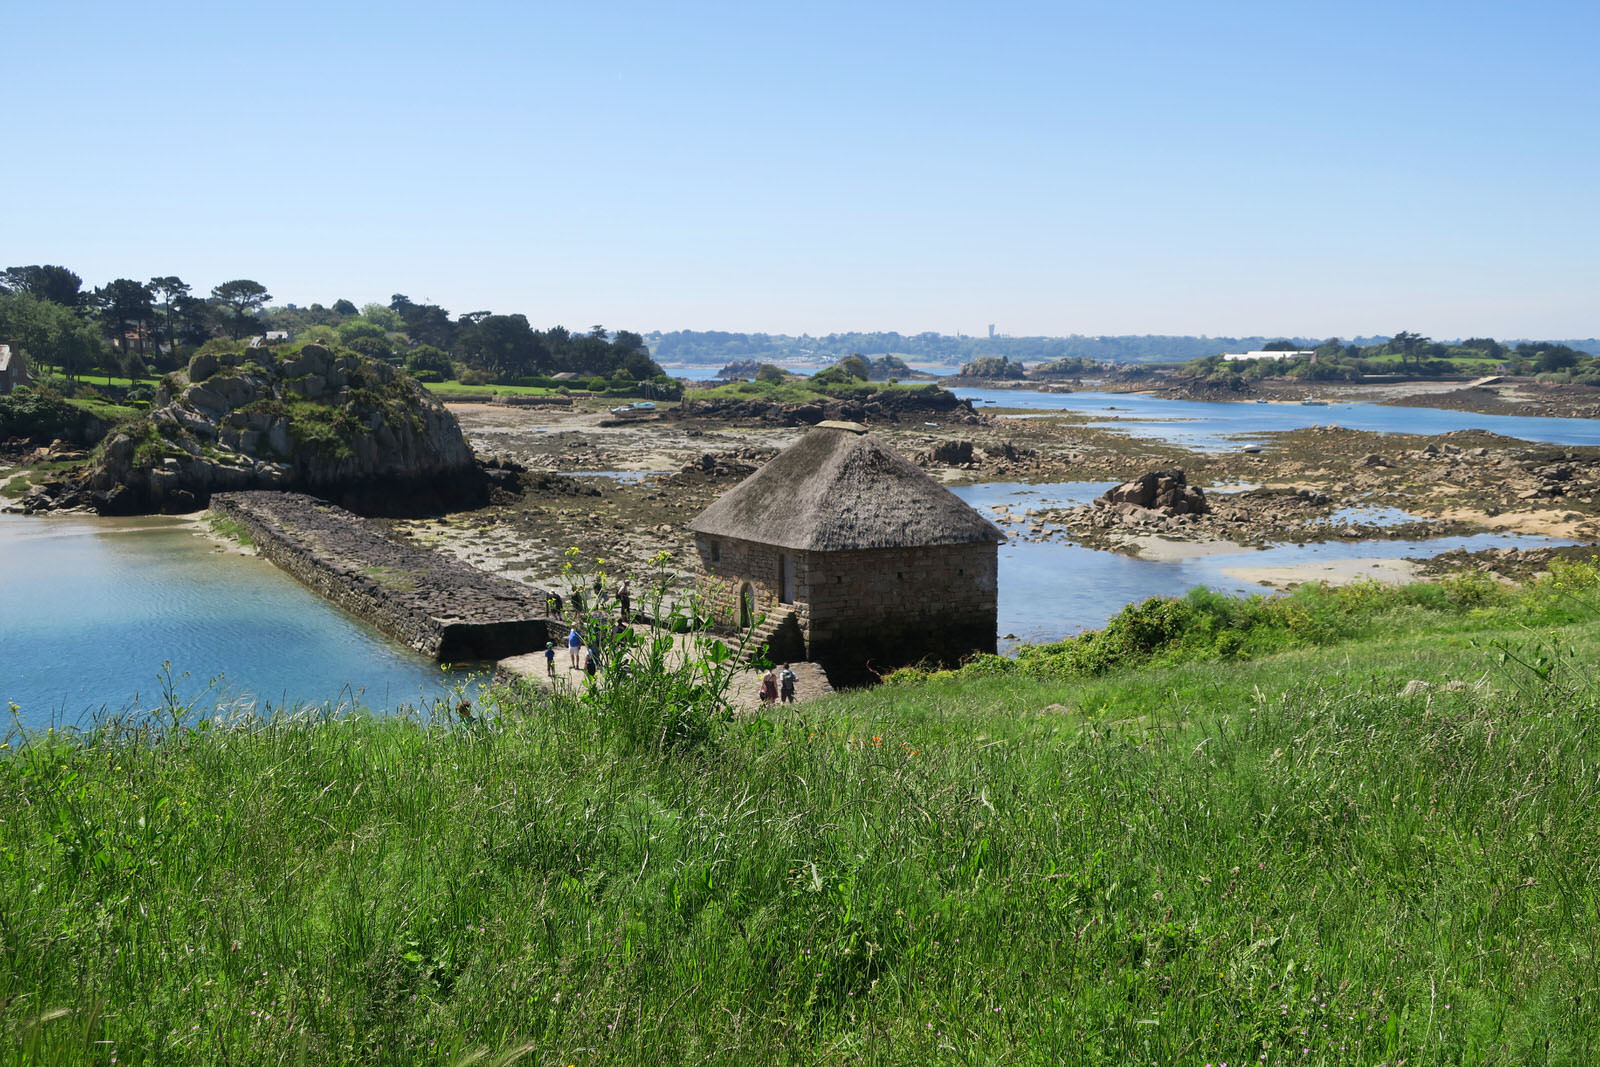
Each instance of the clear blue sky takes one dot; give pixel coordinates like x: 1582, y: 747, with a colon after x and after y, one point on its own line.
x: 1161, y: 167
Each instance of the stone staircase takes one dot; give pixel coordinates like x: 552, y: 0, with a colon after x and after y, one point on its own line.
x: 779, y: 633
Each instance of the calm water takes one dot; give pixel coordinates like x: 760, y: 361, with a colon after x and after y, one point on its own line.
x: 91, y: 608
x: 1214, y: 425
x: 1051, y: 589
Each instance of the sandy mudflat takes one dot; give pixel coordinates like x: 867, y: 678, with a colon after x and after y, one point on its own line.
x: 1537, y: 523
x: 1333, y: 572
x: 1161, y: 550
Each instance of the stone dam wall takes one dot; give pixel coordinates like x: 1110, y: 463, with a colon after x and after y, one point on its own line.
x: 437, y: 605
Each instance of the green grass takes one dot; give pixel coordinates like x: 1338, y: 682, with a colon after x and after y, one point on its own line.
x: 401, y: 581
x: 105, y: 410
x: 1203, y: 625
x: 231, y: 530
x: 456, y: 390
x: 802, y: 391
x: 113, y: 380
x: 1359, y: 851
x: 21, y: 479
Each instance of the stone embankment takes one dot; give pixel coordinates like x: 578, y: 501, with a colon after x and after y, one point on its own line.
x: 437, y: 605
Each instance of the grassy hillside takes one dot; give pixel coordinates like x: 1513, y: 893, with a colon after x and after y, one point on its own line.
x: 1341, y: 850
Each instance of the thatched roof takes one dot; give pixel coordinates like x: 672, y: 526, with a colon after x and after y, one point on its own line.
x: 839, y: 488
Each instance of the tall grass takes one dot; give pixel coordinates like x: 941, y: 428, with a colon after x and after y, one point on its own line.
x: 1205, y: 625
x: 1300, y: 859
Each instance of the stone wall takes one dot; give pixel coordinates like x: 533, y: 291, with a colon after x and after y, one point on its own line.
x: 437, y: 605
x: 899, y: 606
x: 890, y: 606
x: 733, y: 564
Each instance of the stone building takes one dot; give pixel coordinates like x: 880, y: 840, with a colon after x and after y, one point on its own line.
x: 13, y: 369
x: 852, y: 555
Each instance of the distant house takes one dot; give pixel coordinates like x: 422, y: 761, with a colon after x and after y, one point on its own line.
x: 851, y: 554
x: 273, y: 337
x: 1233, y: 356
x: 13, y: 369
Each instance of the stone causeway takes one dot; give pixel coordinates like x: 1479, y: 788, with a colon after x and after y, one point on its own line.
x: 439, y: 606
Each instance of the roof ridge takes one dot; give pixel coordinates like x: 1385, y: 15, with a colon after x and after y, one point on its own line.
x: 837, y: 489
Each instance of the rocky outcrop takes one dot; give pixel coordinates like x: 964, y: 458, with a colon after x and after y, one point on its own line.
x: 437, y: 605
x: 739, y: 369
x: 347, y: 428
x: 887, y: 405
x: 1167, y: 492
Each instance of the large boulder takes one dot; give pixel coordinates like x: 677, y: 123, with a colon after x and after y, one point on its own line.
x: 1165, y: 491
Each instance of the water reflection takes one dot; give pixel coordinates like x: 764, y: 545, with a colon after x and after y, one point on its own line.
x: 93, y: 607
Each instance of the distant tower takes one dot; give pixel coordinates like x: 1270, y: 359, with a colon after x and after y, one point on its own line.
x: 991, y: 331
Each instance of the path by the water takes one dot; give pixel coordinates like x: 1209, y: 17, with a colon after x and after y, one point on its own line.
x: 744, y: 693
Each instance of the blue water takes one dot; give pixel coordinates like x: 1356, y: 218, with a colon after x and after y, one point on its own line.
x: 694, y: 372
x: 1219, y: 425
x: 91, y: 608
x: 621, y: 477
x: 1052, y: 589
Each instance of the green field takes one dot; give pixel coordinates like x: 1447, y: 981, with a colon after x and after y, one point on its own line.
x: 1357, y: 845
x: 456, y: 391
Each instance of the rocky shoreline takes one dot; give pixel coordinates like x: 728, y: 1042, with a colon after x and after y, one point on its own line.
x: 623, y: 493
x: 565, y: 476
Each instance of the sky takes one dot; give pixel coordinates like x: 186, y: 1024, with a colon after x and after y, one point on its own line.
x: 1231, y: 169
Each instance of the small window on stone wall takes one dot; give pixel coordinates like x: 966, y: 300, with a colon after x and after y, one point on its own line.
x: 716, y: 552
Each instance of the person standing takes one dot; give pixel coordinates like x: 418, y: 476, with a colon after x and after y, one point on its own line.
x: 550, y: 658
x: 574, y: 642
x: 769, y: 687
x: 624, y: 599
x: 786, y: 680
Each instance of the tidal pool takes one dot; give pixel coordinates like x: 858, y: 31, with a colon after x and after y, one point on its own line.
x: 91, y: 609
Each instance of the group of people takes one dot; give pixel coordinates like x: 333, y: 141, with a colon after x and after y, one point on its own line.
x: 574, y: 646
x: 588, y: 661
x: 624, y: 598
x: 778, y: 685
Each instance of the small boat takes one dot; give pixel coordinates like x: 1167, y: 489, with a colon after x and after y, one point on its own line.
x: 1313, y: 402
x: 1262, y: 400
x: 931, y: 425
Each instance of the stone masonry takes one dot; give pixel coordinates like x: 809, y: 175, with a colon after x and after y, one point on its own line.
x: 437, y: 605
x: 884, y: 605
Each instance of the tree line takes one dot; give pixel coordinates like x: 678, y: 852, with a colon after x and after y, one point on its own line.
x: 1406, y: 353
x: 720, y: 346
x: 133, y: 328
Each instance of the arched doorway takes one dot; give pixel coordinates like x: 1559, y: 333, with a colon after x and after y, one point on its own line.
x: 747, y: 605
